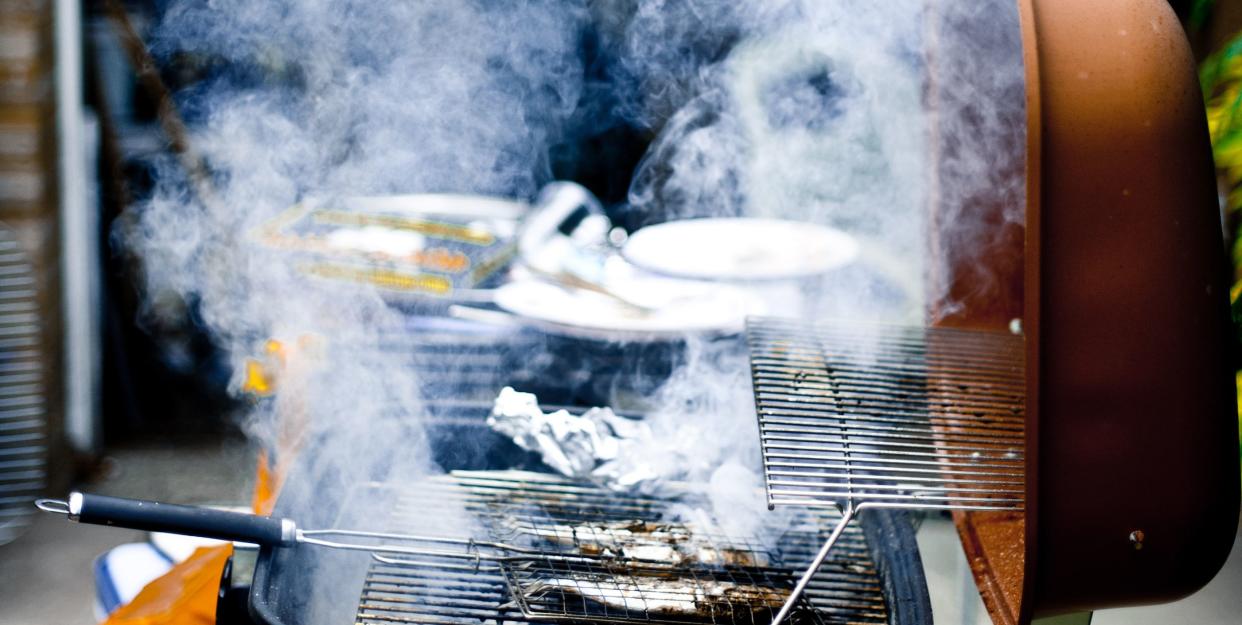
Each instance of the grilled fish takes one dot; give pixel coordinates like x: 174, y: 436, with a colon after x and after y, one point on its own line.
x: 674, y: 544
x: 655, y: 595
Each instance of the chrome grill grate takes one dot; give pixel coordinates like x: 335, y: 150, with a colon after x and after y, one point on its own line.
x: 550, y: 516
x: 857, y: 415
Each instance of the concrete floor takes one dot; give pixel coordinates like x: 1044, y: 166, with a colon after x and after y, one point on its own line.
x: 46, y: 576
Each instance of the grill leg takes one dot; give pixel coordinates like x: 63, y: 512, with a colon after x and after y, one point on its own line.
x: 846, y: 516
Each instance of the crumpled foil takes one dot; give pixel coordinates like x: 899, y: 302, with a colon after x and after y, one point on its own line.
x: 591, y: 445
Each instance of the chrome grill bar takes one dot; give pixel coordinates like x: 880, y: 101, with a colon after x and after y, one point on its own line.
x: 854, y: 414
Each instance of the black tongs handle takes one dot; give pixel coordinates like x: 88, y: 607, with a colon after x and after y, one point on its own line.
x: 154, y: 516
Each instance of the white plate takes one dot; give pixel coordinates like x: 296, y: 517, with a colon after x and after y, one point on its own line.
x: 704, y: 308
x: 739, y: 248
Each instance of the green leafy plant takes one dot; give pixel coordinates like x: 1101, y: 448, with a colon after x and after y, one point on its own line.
x: 1220, y: 76
x: 1200, y: 11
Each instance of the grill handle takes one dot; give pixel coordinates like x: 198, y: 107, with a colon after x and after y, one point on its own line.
x: 154, y: 516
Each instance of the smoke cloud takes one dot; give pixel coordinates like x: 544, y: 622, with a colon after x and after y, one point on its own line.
x: 368, y: 98
x: 827, y: 112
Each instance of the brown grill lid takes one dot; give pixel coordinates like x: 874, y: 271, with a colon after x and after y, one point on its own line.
x: 1132, y: 462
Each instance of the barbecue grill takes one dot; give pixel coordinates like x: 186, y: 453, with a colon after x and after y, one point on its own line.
x: 545, y: 548
x: 1072, y: 400
x: 541, y: 511
x: 1075, y: 366
x: 874, y: 578
x: 459, y: 362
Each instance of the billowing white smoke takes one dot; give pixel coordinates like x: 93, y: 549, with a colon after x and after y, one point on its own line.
x: 330, y: 98
x: 801, y: 109
x: 370, y: 98
x: 894, y: 122
x: 389, y: 96
x: 809, y: 111
x: 977, y: 106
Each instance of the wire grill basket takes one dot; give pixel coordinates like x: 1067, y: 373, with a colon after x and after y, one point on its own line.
x: 639, y: 567
x: 855, y: 415
x: 869, y: 415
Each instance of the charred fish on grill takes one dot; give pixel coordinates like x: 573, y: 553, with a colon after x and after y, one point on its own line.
x: 675, y: 544
x: 656, y: 595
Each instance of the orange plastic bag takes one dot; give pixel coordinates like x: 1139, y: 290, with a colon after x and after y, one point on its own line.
x: 185, y: 595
